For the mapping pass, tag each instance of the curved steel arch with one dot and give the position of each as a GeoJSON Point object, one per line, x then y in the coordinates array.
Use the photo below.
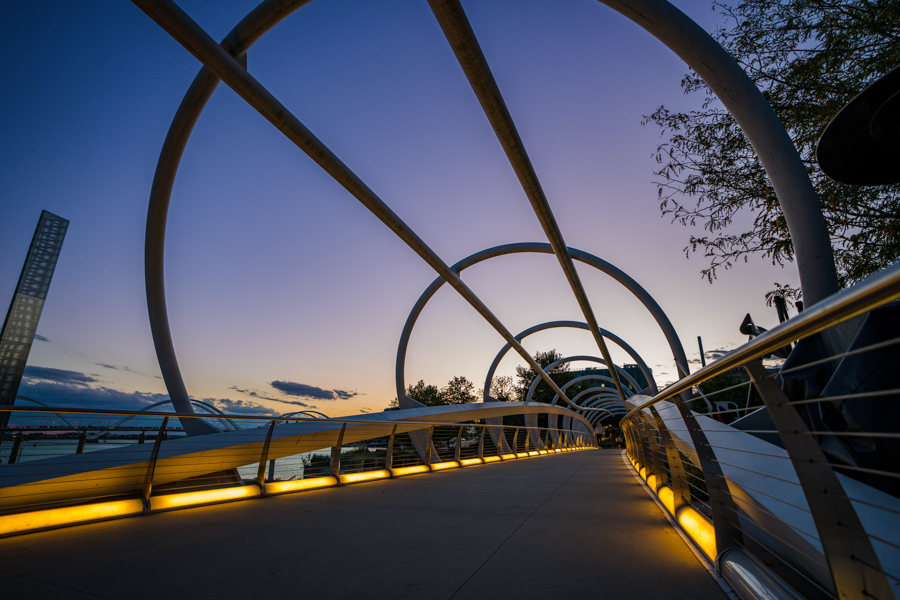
{"type": "Point", "coordinates": [737, 92]}
{"type": "Point", "coordinates": [599, 417]}
{"type": "Point", "coordinates": [536, 248]}
{"type": "Point", "coordinates": [568, 359]}
{"type": "Point", "coordinates": [574, 325]}
{"type": "Point", "coordinates": [584, 378]}
{"type": "Point", "coordinates": [314, 413]}
{"type": "Point", "coordinates": [754, 115]}
{"type": "Point", "coordinates": [39, 403]}
{"type": "Point", "coordinates": [246, 33]}
{"type": "Point", "coordinates": [209, 407]}
{"type": "Point", "coordinates": [599, 393]}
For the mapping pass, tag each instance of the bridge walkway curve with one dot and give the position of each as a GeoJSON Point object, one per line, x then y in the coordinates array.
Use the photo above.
{"type": "Point", "coordinates": [571, 525]}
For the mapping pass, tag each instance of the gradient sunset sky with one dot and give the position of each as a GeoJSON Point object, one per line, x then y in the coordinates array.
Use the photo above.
{"type": "Point", "coordinates": [283, 290]}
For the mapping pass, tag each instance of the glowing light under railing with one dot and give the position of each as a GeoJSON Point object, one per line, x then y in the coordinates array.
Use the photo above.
{"type": "Point", "coordinates": [543, 452]}
{"type": "Point", "coordinates": [521, 454]}
{"type": "Point", "coordinates": [507, 456]}
{"type": "Point", "coordinates": [557, 450]}
{"type": "Point", "coordinates": [651, 481]}
{"type": "Point", "coordinates": [452, 464]}
{"type": "Point", "coordinates": [57, 517]}
{"type": "Point", "coordinates": [365, 476]}
{"type": "Point", "coordinates": [490, 459]}
{"type": "Point", "coordinates": [643, 473]}
{"type": "Point", "coordinates": [533, 453]}
{"type": "Point", "coordinates": [667, 497]}
{"type": "Point", "coordinates": [467, 462]}
{"type": "Point", "coordinates": [205, 497]}
{"type": "Point", "coordinates": [399, 472]}
{"type": "Point", "coordinates": [282, 487]}
{"type": "Point", "coordinates": [699, 528]}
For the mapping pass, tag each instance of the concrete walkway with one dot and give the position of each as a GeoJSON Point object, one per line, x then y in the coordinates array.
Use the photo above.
{"type": "Point", "coordinates": [573, 525]}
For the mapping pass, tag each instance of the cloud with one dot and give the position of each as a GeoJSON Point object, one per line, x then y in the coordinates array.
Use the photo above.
{"type": "Point", "coordinates": [54, 393]}
{"type": "Point", "coordinates": [126, 368]}
{"type": "Point", "coordinates": [60, 376]}
{"type": "Point", "coordinates": [365, 410]}
{"type": "Point", "coordinates": [303, 390]}
{"type": "Point", "coordinates": [256, 394]}
{"type": "Point", "coordinates": [242, 407]}
{"type": "Point", "coordinates": [41, 338]}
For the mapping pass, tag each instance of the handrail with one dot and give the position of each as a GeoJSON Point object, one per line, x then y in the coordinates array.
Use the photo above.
{"type": "Point", "coordinates": [872, 292]}
{"type": "Point", "coordinates": [112, 412]}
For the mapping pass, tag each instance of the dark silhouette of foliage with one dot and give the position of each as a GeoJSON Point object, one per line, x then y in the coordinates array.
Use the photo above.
{"type": "Point", "coordinates": [809, 57]}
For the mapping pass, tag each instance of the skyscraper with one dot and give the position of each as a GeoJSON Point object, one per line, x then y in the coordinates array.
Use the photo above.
{"type": "Point", "coordinates": [21, 321]}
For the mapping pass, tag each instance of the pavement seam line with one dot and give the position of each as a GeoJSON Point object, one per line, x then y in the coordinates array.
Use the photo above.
{"type": "Point", "coordinates": [57, 585]}
{"type": "Point", "coordinates": [525, 520]}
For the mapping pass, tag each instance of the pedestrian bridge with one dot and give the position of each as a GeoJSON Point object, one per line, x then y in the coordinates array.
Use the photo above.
{"type": "Point", "coordinates": [789, 491]}
{"type": "Point", "coordinates": [572, 524]}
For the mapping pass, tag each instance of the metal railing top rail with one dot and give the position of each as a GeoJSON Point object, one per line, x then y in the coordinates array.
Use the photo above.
{"type": "Point", "coordinates": [418, 420]}
{"type": "Point", "coordinates": [872, 292]}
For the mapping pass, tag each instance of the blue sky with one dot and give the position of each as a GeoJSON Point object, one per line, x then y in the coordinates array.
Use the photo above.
{"type": "Point", "coordinates": [282, 289]}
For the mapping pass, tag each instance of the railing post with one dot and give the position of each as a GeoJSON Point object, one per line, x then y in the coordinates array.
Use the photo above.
{"type": "Point", "coordinates": [336, 455]}
{"type": "Point", "coordinates": [637, 442]}
{"type": "Point", "coordinates": [724, 511]}
{"type": "Point", "coordinates": [651, 447]}
{"type": "Point", "coordinates": [81, 440]}
{"type": "Point", "coordinates": [389, 454]}
{"type": "Point", "coordinates": [515, 444]}
{"type": "Point", "coordinates": [854, 566]}
{"type": "Point", "coordinates": [14, 453]}
{"type": "Point", "coordinates": [151, 465]}
{"type": "Point", "coordinates": [264, 455]}
{"type": "Point", "coordinates": [457, 454]}
{"type": "Point", "coordinates": [676, 478]}
{"type": "Point", "coordinates": [429, 437]}
{"type": "Point", "coordinates": [481, 442]}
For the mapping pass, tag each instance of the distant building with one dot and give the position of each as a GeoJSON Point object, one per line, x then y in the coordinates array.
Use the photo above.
{"type": "Point", "coordinates": [25, 309]}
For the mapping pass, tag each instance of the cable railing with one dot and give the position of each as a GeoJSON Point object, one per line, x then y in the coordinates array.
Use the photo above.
{"type": "Point", "coordinates": [799, 483]}
{"type": "Point", "coordinates": [55, 471]}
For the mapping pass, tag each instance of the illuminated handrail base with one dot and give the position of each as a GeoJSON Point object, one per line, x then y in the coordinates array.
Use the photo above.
{"type": "Point", "coordinates": [25, 522]}
{"type": "Point", "coordinates": [698, 528]}
{"type": "Point", "coordinates": [74, 515]}
{"type": "Point", "coordinates": [69, 515]}
{"type": "Point", "coordinates": [678, 453]}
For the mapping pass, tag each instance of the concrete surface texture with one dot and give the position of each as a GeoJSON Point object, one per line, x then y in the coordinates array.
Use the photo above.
{"type": "Point", "coordinates": [573, 525]}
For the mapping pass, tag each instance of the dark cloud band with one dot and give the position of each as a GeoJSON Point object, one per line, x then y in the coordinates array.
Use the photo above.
{"type": "Point", "coordinates": [303, 390]}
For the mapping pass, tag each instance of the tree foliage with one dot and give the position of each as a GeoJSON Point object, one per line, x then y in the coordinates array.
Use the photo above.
{"type": "Point", "coordinates": [525, 375]}
{"type": "Point", "coordinates": [809, 57]}
{"type": "Point", "coordinates": [458, 390]}
{"type": "Point", "coordinates": [503, 388]}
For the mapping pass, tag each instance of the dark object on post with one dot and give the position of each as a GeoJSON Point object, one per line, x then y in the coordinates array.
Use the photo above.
{"type": "Point", "coordinates": [861, 145]}
{"type": "Point", "coordinates": [748, 327]}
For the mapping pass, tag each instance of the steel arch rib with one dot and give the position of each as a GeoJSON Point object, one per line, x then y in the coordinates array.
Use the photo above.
{"type": "Point", "coordinates": [584, 378]}
{"type": "Point", "coordinates": [770, 141]}
{"type": "Point", "coordinates": [261, 19]}
{"type": "Point", "coordinates": [536, 248]}
{"type": "Point", "coordinates": [568, 359]}
{"type": "Point", "coordinates": [223, 64]}
{"type": "Point", "coordinates": [574, 325]}
{"type": "Point", "coordinates": [658, 17]}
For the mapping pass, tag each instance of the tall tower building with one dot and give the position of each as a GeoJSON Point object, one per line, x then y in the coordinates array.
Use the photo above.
{"type": "Point", "coordinates": [21, 321]}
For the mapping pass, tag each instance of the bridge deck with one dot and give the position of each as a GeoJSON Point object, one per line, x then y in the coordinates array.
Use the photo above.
{"type": "Point", "coordinates": [569, 525]}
